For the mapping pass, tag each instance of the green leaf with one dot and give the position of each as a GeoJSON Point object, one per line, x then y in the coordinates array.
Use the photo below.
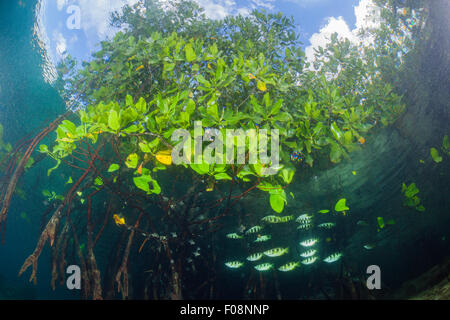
{"type": "Point", "coordinates": [446, 145]}
{"type": "Point", "coordinates": [200, 168]}
{"type": "Point", "coordinates": [113, 168]}
{"type": "Point", "coordinates": [337, 133]}
{"type": "Point", "coordinates": [190, 107]}
{"type": "Point", "coordinates": [411, 190]}
{"type": "Point", "coordinates": [336, 153]}
{"type": "Point", "coordinates": [129, 100]}
{"type": "Point", "coordinates": [380, 222]}
{"type": "Point", "coordinates": [46, 193]}
{"type": "Point", "coordinates": [43, 148]}
{"type": "Point", "coordinates": [222, 176]}
{"type": "Point", "coordinates": [144, 147]}
{"type": "Point", "coordinates": [98, 181]}
{"type": "Point", "coordinates": [435, 155]}
{"type": "Point", "coordinates": [213, 111]}
{"type": "Point", "coordinates": [287, 175]}
{"type": "Point", "coordinates": [70, 181]}
{"type": "Point", "coordinates": [69, 127]}
{"type": "Point", "coordinates": [190, 53]}
{"type": "Point", "coordinates": [391, 222]}
{"type": "Point", "coordinates": [277, 202]}
{"type": "Point", "coordinates": [142, 182]}
{"type": "Point", "coordinates": [113, 120]}
{"type": "Point", "coordinates": [203, 81]}
{"type": "Point", "coordinates": [132, 161]}
{"type": "Point", "coordinates": [341, 205]}
{"type": "Point", "coordinates": [141, 106]}
{"type": "Point", "coordinates": [324, 211]}
{"type": "Point", "coordinates": [420, 208]}
{"type": "Point", "coordinates": [131, 129]}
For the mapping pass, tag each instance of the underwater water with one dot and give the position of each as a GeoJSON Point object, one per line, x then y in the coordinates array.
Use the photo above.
{"type": "Point", "coordinates": [194, 245]}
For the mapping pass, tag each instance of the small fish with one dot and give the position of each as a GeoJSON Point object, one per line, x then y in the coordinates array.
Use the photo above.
{"type": "Point", "coordinates": [310, 260]}
{"type": "Point", "coordinates": [327, 225]}
{"type": "Point", "coordinates": [276, 252]}
{"type": "Point", "coordinates": [234, 264]}
{"type": "Point", "coordinates": [304, 218]}
{"type": "Point", "coordinates": [333, 258]}
{"type": "Point", "coordinates": [263, 238]}
{"type": "Point", "coordinates": [362, 223]}
{"type": "Point", "coordinates": [286, 219]}
{"type": "Point", "coordinates": [289, 266]}
{"type": "Point", "coordinates": [271, 219]}
{"type": "Point", "coordinates": [255, 257]}
{"type": "Point", "coordinates": [234, 236]}
{"type": "Point", "coordinates": [254, 229]}
{"type": "Point", "coordinates": [369, 246]}
{"type": "Point", "coordinates": [251, 76]}
{"type": "Point", "coordinates": [309, 242]}
{"type": "Point", "coordinates": [140, 67]}
{"type": "Point", "coordinates": [308, 253]}
{"type": "Point", "coordinates": [119, 220]}
{"type": "Point", "coordinates": [354, 173]}
{"type": "Point", "coordinates": [362, 140]}
{"type": "Point", "coordinates": [305, 226]}
{"type": "Point", "coordinates": [264, 267]}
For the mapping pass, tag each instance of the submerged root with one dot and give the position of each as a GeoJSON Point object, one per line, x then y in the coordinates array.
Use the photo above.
{"type": "Point", "coordinates": [7, 196]}
{"type": "Point", "coordinates": [47, 234]}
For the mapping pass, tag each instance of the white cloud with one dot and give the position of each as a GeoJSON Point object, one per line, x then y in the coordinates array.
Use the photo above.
{"type": "Point", "coordinates": [217, 9]}
{"type": "Point", "coordinates": [334, 25]}
{"type": "Point", "coordinates": [308, 3]}
{"type": "Point", "coordinates": [367, 16]}
{"type": "Point", "coordinates": [61, 43]}
{"type": "Point", "coordinates": [95, 16]}
{"type": "Point", "coordinates": [266, 4]}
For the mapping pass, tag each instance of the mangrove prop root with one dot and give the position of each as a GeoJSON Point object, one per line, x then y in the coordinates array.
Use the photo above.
{"type": "Point", "coordinates": [50, 229]}
{"type": "Point", "coordinates": [123, 271]}
{"type": "Point", "coordinates": [6, 199]}
{"type": "Point", "coordinates": [122, 274]}
{"type": "Point", "coordinates": [57, 255]}
{"type": "Point", "coordinates": [47, 234]}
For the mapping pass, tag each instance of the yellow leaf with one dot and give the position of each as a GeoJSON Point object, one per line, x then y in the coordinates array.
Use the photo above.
{"type": "Point", "coordinates": [165, 157]}
{"type": "Point", "coordinates": [139, 170]}
{"type": "Point", "coordinates": [140, 68]}
{"type": "Point", "coordinates": [120, 221]}
{"type": "Point", "coordinates": [262, 86]}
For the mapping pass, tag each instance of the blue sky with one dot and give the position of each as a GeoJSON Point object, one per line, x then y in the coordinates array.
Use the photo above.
{"type": "Point", "coordinates": [316, 20]}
